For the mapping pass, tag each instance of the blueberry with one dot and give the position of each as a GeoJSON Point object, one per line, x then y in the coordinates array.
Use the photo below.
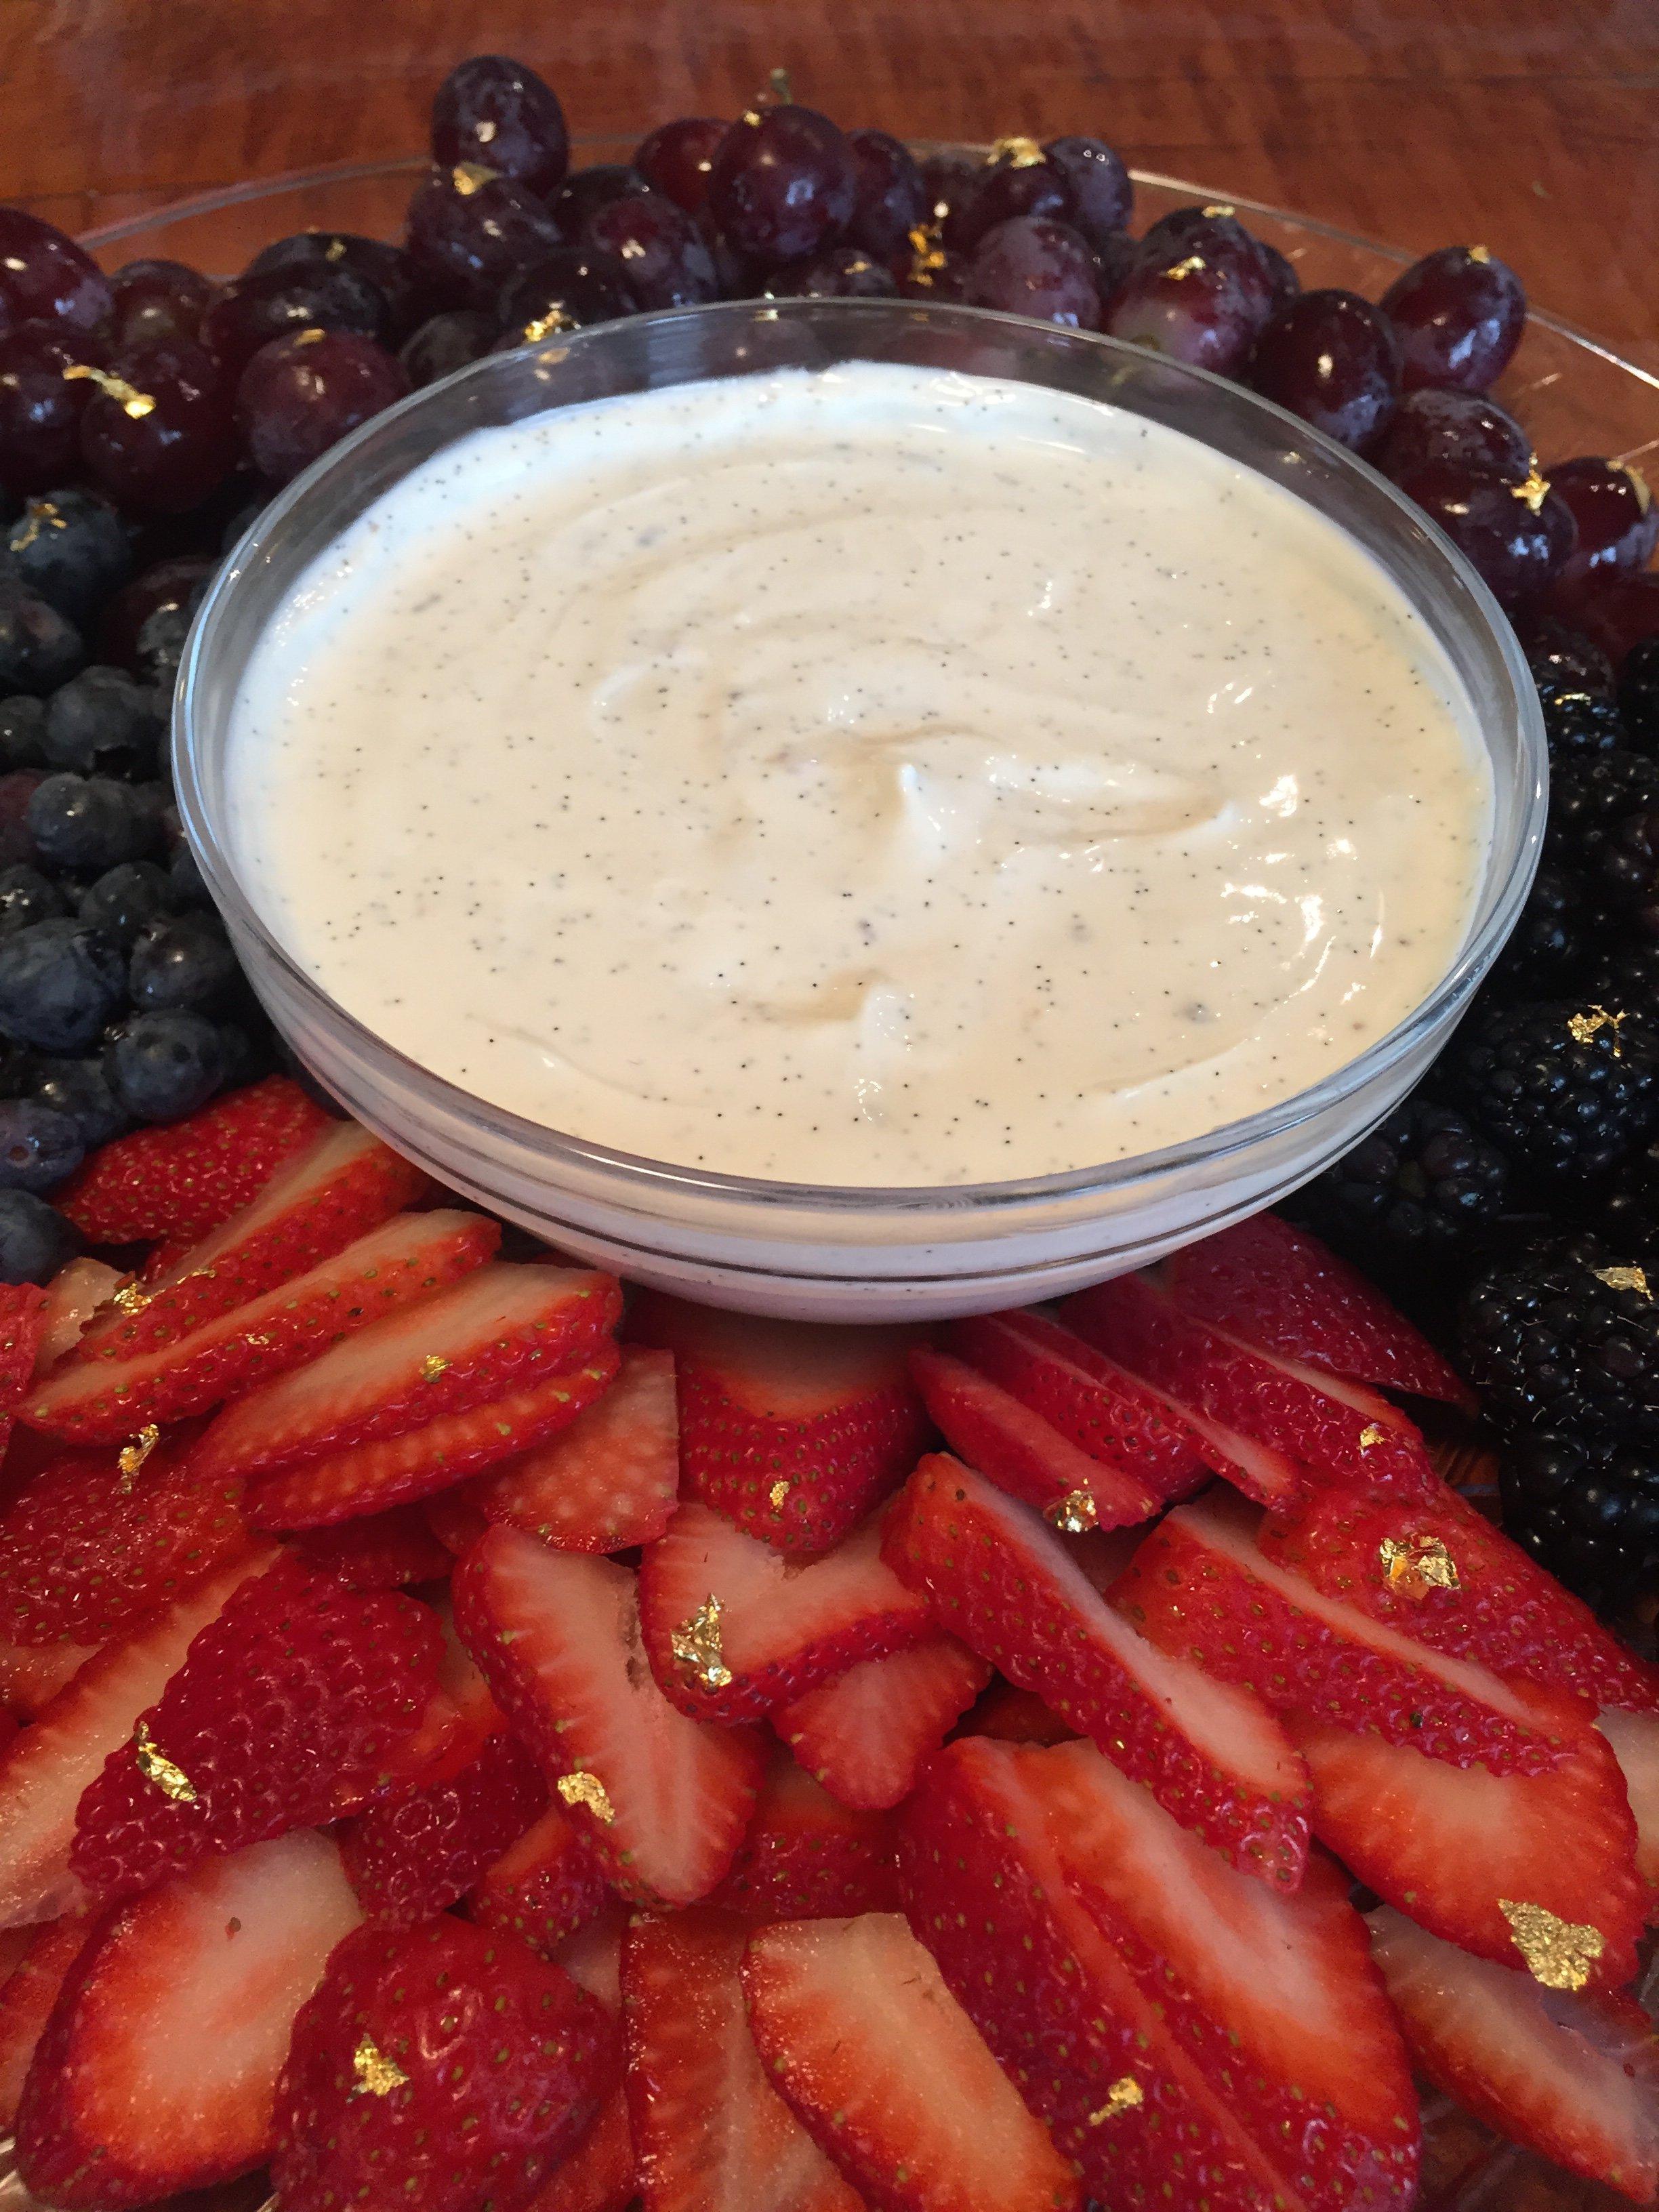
{"type": "Point", "coordinates": [35, 1240]}
{"type": "Point", "coordinates": [127, 899]}
{"type": "Point", "coordinates": [26, 897]}
{"type": "Point", "coordinates": [59, 983]}
{"type": "Point", "coordinates": [22, 732]}
{"type": "Point", "coordinates": [71, 549]}
{"type": "Point", "coordinates": [88, 822]}
{"type": "Point", "coordinates": [39, 1147]}
{"type": "Point", "coordinates": [75, 1089]}
{"type": "Point", "coordinates": [102, 719]}
{"type": "Point", "coordinates": [161, 644]}
{"type": "Point", "coordinates": [162, 1067]}
{"type": "Point", "coordinates": [187, 878]}
{"type": "Point", "coordinates": [39, 650]}
{"type": "Point", "coordinates": [185, 962]}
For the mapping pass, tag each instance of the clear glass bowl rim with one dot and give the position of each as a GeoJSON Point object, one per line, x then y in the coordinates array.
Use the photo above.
{"type": "Point", "coordinates": [1506, 881]}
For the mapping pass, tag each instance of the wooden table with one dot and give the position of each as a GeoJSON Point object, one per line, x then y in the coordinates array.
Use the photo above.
{"type": "Point", "coordinates": [1530, 125]}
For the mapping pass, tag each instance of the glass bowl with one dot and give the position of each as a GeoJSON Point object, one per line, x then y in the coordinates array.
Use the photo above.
{"type": "Point", "coordinates": [836, 1252]}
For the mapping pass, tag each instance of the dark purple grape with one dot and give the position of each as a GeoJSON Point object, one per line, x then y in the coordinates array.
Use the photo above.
{"type": "Point", "coordinates": [158, 299]}
{"type": "Point", "coordinates": [1020, 184]}
{"type": "Point", "coordinates": [1102, 196]}
{"type": "Point", "coordinates": [892, 198]}
{"type": "Point", "coordinates": [1194, 308]}
{"type": "Point", "coordinates": [470, 238]}
{"type": "Point", "coordinates": [656, 250]}
{"type": "Point", "coordinates": [445, 343]}
{"type": "Point", "coordinates": [495, 113]}
{"type": "Point", "coordinates": [1459, 429]}
{"type": "Point", "coordinates": [676, 158]}
{"type": "Point", "coordinates": [1281, 272]}
{"type": "Point", "coordinates": [175, 585]}
{"type": "Point", "coordinates": [45, 276]}
{"type": "Point", "coordinates": [1516, 536]}
{"type": "Point", "coordinates": [1618, 522]}
{"type": "Point", "coordinates": [950, 180]}
{"type": "Point", "coordinates": [566, 291]}
{"type": "Point", "coordinates": [1032, 266]}
{"type": "Point", "coordinates": [840, 273]}
{"type": "Point", "coordinates": [784, 183]}
{"type": "Point", "coordinates": [1460, 314]}
{"type": "Point", "coordinates": [1332, 358]}
{"type": "Point", "coordinates": [585, 191]}
{"type": "Point", "coordinates": [1115, 259]}
{"type": "Point", "coordinates": [276, 302]}
{"type": "Point", "coordinates": [388, 267]}
{"type": "Point", "coordinates": [157, 433]}
{"type": "Point", "coordinates": [300, 395]}
{"type": "Point", "coordinates": [44, 385]}
{"type": "Point", "coordinates": [1214, 236]}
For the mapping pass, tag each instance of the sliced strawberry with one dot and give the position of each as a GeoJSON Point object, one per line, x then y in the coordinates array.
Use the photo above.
{"type": "Point", "coordinates": [1282, 1290]}
{"type": "Point", "coordinates": [1635, 1741]}
{"type": "Point", "coordinates": [542, 1887]}
{"type": "Point", "coordinates": [1095, 1404]}
{"type": "Point", "coordinates": [447, 2056]}
{"type": "Point", "coordinates": [158, 2069]}
{"type": "Point", "coordinates": [1573, 2077]}
{"type": "Point", "coordinates": [22, 1319]}
{"type": "Point", "coordinates": [1476, 1857]}
{"type": "Point", "coordinates": [455, 1519]}
{"type": "Point", "coordinates": [45, 1772]}
{"type": "Point", "coordinates": [794, 1430]}
{"type": "Point", "coordinates": [1010, 1715]}
{"type": "Point", "coordinates": [345, 1182]}
{"type": "Point", "coordinates": [383, 1551]}
{"type": "Point", "coordinates": [100, 1398]}
{"type": "Point", "coordinates": [663, 1798]}
{"type": "Point", "coordinates": [284, 1711]}
{"type": "Point", "coordinates": [609, 1481]}
{"type": "Point", "coordinates": [1340, 1433]}
{"type": "Point", "coordinates": [806, 1856]}
{"type": "Point", "coordinates": [369, 1478]}
{"type": "Point", "coordinates": [89, 1546]}
{"type": "Point", "coordinates": [867, 1736]}
{"type": "Point", "coordinates": [710, 2134]}
{"type": "Point", "coordinates": [1144, 1996]}
{"type": "Point", "coordinates": [1440, 1572]}
{"type": "Point", "coordinates": [889, 2076]}
{"type": "Point", "coordinates": [26, 1998]}
{"type": "Point", "coordinates": [1200, 1587]}
{"type": "Point", "coordinates": [592, 1955]}
{"type": "Point", "coordinates": [734, 1629]}
{"type": "Point", "coordinates": [1021, 1452]}
{"type": "Point", "coordinates": [498, 1330]}
{"type": "Point", "coordinates": [74, 1296]}
{"type": "Point", "coordinates": [415, 1853]}
{"type": "Point", "coordinates": [31, 1675]}
{"type": "Point", "coordinates": [184, 1180]}
{"type": "Point", "coordinates": [599, 2176]}
{"type": "Point", "coordinates": [1000, 1580]}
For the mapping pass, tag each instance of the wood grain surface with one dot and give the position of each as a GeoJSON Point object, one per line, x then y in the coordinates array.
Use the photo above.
{"type": "Point", "coordinates": [1530, 125]}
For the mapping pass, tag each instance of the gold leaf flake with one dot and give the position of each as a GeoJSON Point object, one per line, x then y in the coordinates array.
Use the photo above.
{"type": "Point", "coordinates": [133, 402]}
{"type": "Point", "coordinates": [1220, 207]}
{"type": "Point", "coordinates": [1016, 153]}
{"type": "Point", "coordinates": [1533, 488]}
{"type": "Point", "coordinates": [549, 325]}
{"type": "Point", "coordinates": [583, 1789]}
{"type": "Point", "coordinates": [1370, 1436]}
{"type": "Point", "coordinates": [132, 1298]}
{"type": "Point", "coordinates": [1192, 266]}
{"type": "Point", "coordinates": [1559, 1954]}
{"type": "Point", "coordinates": [1075, 1513]}
{"type": "Point", "coordinates": [1417, 1564]}
{"type": "Point", "coordinates": [376, 2074]}
{"type": "Point", "coordinates": [155, 1766]}
{"type": "Point", "coordinates": [1480, 254]}
{"type": "Point", "coordinates": [1122, 2096]}
{"type": "Point", "coordinates": [696, 1644]}
{"type": "Point", "coordinates": [468, 176]}
{"type": "Point", "coordinates": [777, 1495]}
{"type": "Point", "coordinates": [1582, 1028]}
{"type": "Point", "coordinates": [133, 1456]}
{"type": "Point", "coordinates": [1623, 1279]}
{"type": "Point", "coordinates": [432, 1367]}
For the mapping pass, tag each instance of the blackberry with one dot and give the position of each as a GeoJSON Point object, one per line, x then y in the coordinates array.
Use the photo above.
{"type": "Point", "coordinates": [1628, 1216]}
{"type": "Point", "coordinates": [1564, 1089]}
{"type": "Point", "coordinates": [1625, 975]}
{"type": "Point", "coordinates": [1562, 658]}
{"type": "Point", "coordinates": [1590, 794]}
{"type": "Point", "coordinates": [1421, 1186]}
{"type": "Point", "coordinates": [1587, 1511]}
{"type": "Point", "coordinates": [1638, 694]}
{"type": "Point", "coordinates": [1576, 722]}
{"type": "Point", "coordinates": [1551, 943]}
{"type": "Point", "coordinates": [1627, 872]}
{"type": "Point", "coordinates": [1566, 1337]}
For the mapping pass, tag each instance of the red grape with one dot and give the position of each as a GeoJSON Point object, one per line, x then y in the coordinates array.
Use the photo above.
{"type": "Point", "coordinates": [45, 276]}
{"type": "Point", "coordinates": [45, 385]}
{"type": "Point", "coordinates": [784, 183]}
{"type": "Point", "coordinates": [169, 586]}
{"type": "Point", "coordinates": [1194, 307]}
{"type": "Point", "coordinates": [1102, 196]}
{"type": "Point", "coordinates": [1030, 265]}
{"type": "Point", "coordinates": [950, 180]}
{"type": "Point", "coordinates": [1012, 186]}
{"type": "Point", "coordinates": [1618, 609]}
{"type": "Point", "coordinates": [840, 273]}
{"type": "Point", "coordinates": [388, 267]}
{"type": "Point", "coordinates": [157, 433]}
{"type": "Point", "coordinates": [1465, 428]}
{"type": "Point", "coordinates": [892, 198]}
{"type": "Point", "coordinates": [658, 253]}
{"type": "Point", "coordinates": [471, 236]}
{"type": "Point", "coordinates": [1281, 272]}
{"type": "Point", "coordinates": [1618, 522]}
{"type": "Point", "coordinates": [493, 113]}
{"type": "Point", "coordinates": [585, 191]}
{"type": "Point", "coordinates": [677, 157]}
{"type": "Point", "coordinates": [566, 291]}
{"type": "Point", "coordinates": [1332, 358]}
{"type": "Point", "coordinates": [1460, 314]}
{"type": "Point", "coordinates": [272, 302]}
{"type": "Point", "coordinates": [445, 343]}
{"type": "Point", "coordinates": [1214, 235]}
{"type": "Point", "coordinates": [1516, 536]}
{"type": "Point", "coordinates": [299, 395]}
{"type": "Point", "coordinates": [158, 299]}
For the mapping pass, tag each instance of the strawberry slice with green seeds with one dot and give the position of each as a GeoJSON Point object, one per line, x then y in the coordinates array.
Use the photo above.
{"type": "Point", "coordinates": [542, 1887]}
{"type": "Point", "coordinates": [104, 1399]}
{"type": "Point", "coordinates": [867, 1735]}
{"type": "Point", "coordinates": [808, 1857]}
{"type": "Point", "coordinates": [1635, 1741]}
{"type": "Point", "coordinates": [1002, 1582]}
{"type": "Point", "coordinates": [609, 1481]}
{"type": "Point", "coordinates": [500, 1329]}
{"type": "Point", "coordinates": [415, 1852]}
{"type": "Point", "coordinates": [28, 1997]}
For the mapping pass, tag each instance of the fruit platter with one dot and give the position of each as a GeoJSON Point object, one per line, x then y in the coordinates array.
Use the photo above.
{"type": "Point", "coordinates": [482, 1735]}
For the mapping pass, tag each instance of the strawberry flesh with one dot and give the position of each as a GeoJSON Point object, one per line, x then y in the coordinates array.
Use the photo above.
{"type": "Point", "coordinates": [27, 1999]}
{"type": "Point", "coordinates": [663, 1799]}
{"type": "Point", "coordinates": [382, 1551]}
{"type": "Point", "coordinates": [867, 1736]}
{"type": "Point", "coordinates": [807, 1857]}
{"type": "Point", "coordinates": [1002, 1581]}
{"type": "Point", "coordinates": [285, 1710]}
{"type": "Point", "coordinates": [611, 1480]}
{"type": "Point", "coordinates": [890, 2076]}
{"type": "Point", "coordinates": [1026, 1456]}
{"type": "Point", "coordinates": [1635, 1741]}
{"type": "Point", "coordinates": [542, 1887]}
{"type": "Point", "coordinates": [417, 1853]}
{"type": "Point", "coordinates": [158, 2069]}
{"type": "Point", "coordinates": [754, 1630]}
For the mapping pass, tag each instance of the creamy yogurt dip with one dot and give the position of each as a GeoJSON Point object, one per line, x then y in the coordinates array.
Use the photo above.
{"type": "Point", "coordinates": [874, 776]}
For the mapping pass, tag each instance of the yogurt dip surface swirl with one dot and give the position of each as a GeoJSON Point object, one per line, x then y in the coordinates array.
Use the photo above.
{"type": "Point", "coordinates": [874, 776]}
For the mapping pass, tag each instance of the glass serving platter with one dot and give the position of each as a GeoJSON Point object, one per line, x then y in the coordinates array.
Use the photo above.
{"type": "Point", "coordinates": [1573, 394]}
